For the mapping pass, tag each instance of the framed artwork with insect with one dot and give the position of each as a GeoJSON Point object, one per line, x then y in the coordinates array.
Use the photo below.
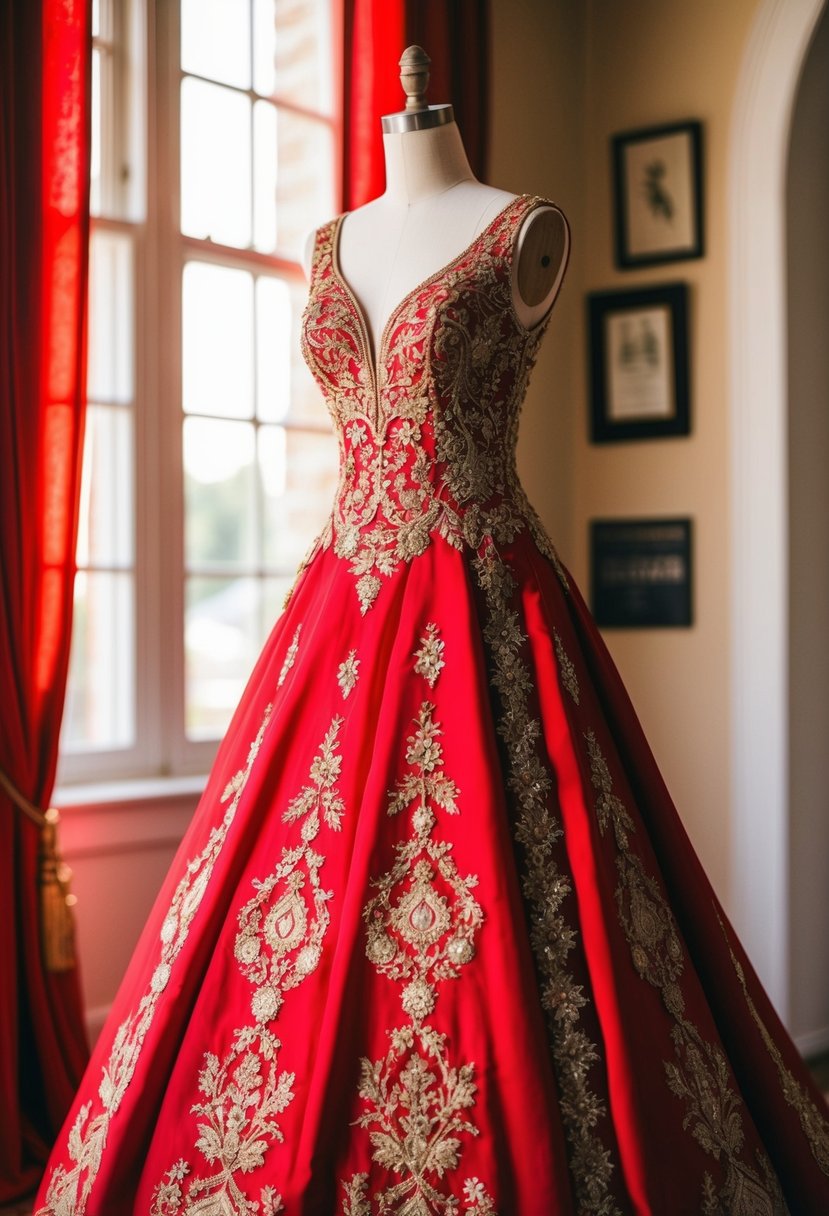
{"type": "Point", "coordinates": [658, 194]}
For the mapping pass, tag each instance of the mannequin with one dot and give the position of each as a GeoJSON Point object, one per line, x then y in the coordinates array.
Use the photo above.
{"type": "Point", "coordinates": [432, 209]}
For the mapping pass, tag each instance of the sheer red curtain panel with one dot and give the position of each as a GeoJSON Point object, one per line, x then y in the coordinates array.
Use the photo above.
{"type": "Point", "coordinates": [45, 72]}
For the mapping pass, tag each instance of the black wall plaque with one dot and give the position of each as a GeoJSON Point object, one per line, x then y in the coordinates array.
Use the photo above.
{"type": "Point", "coordinates": [640, 573]}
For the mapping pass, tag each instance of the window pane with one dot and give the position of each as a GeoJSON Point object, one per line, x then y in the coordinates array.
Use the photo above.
{"type": "Point", "coordinates": [100, 702]}
{"type": "Point", "coordinates": [275, 337]}
{"type": "Point", "coordinates": [105, 529]}
{"type": "Point", "coordinates": [220, 490]}
{"type": "Point", "coordinates": [217, 354]}
{"type": "Point", "coordinates": [110, 317]}
{"type": "Point", "coordinates": [292, 51]}
{"type": "Point", "coordinates": [264, 181]}
{"type": "Point", "coordinates": [294, 178]}
{"type": "Point", "coordinates": [298, 472]}
{"type": "Point", "coordinates": [215, 40]}
{"type": "Point", "coordinates": [215, 163]}
{"type": "Point", "coordinates": [223, 636]}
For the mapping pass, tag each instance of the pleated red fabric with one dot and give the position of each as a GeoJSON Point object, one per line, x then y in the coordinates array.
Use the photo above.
{"type": "Point", "coordinates": [436, 941]}
{"type": "Point", "coordinates": [45, 91]}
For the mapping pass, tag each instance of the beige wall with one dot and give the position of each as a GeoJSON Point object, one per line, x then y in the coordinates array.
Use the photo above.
{"type": "Point", "coordinates": [567, 76]}
{"type": "Point", "coordinates": [537, 68]}
{"type": "Point", "coordinates": [808, 304]}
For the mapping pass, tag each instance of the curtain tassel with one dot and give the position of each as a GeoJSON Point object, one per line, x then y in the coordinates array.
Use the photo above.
{"type": "Point", "coordinates": [57, 903]}
{"type": "Point", "coordinates": [57, 917]}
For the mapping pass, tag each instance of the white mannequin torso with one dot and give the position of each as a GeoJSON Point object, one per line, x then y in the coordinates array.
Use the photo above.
{"type": "Point", "coordinates": [432, 209]}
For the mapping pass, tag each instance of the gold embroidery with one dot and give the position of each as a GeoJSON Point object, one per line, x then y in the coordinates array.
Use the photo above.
{"type": "Point", "coordinates": [546, 889]}
{"type": "Point", "coordinates": [416, 1103]}
{"type": "Point", "coordinates": [278, 945]}
{"type": "Point", "coordinates": [699, 1073]}
{"type": "Point", "coordinates": [421, 924]}
{"type": "Point", "coordinates": [409, 470]}
{"type": "Point", "coordinates": [69, 1190]}
{"type": "Point", "coordinates": [813, 1122]}
{"type": "Point", "coordinates": [421, 927]}
{"type": "Point", "coordinates": [290, 655]}
{"type": "Point", "coordinates": [347, 673]}
{"type": "Point", "coordinates": [429, 656]}
{"type": "Point", "coordinates": [567, 671]}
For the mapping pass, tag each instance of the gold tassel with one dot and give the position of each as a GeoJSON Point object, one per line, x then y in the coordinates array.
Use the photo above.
{"type": "Point", "coordinates": [57, 918]}
{"type": "Point", "coordinates": [57, 923]}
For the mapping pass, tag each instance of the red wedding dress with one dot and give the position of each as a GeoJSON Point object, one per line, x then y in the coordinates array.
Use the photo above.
{"type": "Point", "coordinates": [436, 941]}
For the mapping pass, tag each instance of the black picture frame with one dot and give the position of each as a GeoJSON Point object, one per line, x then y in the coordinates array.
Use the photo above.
{"type": "Point", "coordinates": [658, 194]}
{"type": "Point", "coordinates": [639, 366]}
{"type": "Point", "coordinates": [641, 574]}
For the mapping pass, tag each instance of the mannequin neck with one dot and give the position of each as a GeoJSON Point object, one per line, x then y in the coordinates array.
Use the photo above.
{"type": "Point", "coordinates": [420, 164]}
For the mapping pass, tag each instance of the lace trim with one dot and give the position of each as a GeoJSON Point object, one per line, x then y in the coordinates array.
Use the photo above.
{"type": "Point", "coordinates": [547, 890]}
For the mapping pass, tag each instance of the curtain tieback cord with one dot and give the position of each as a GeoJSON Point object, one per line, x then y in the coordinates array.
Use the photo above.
{"type": "Point", "coordinates": [57, 920]}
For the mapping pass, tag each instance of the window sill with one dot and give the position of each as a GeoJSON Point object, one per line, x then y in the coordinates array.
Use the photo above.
{"type": "Point", "coordinates": [133, 792]}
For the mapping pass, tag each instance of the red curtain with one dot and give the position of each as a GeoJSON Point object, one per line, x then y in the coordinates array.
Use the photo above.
{"type": "Point", "coordinates": [45, 54]}
{"type": "Point", "coordinates": [455, 35]}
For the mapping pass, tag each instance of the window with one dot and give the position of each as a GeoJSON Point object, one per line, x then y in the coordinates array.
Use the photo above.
{"type": "Point", "coordinates": [209, 463]}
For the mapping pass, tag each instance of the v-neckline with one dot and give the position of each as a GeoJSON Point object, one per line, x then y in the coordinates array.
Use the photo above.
{"type": "Point", "coordinates": [374, 359]}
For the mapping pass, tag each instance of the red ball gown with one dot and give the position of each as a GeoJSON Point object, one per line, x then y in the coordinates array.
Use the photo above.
{"type": "Point", "coordinates": [436, 943]}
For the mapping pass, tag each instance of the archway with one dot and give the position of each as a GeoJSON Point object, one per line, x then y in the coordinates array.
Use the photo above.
{"type": "Point", "coordinates": [760, 131]}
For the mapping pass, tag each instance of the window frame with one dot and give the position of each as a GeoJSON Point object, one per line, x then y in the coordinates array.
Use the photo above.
{"type": "Point", "coordinates": [149, 211]}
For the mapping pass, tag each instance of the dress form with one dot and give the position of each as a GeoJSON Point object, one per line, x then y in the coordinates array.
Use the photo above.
{"type": "Point", "coordinates": [433, 207]}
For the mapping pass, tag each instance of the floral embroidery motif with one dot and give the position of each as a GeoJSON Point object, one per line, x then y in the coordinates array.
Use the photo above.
{"type": "Point", "coordinates": [567, 671]}
{"type": "Point", "coordinates": [347, 673]}
{"type": "Point", "coordinates": [423, 449]}
{"type": "Point", "coordinates": [813, 1122]}
{"type": "Point", "coordinates": [69, 1190]}
{"type": "Point", "coordinates": [416, 1109]}
{"type": "Point", "coordinates": [547, 890]}
{"type": "Point", "coordinates": [421, 927]}
{"type": "Point", "coordinates": [699, 1073]}
{"type": "Point", "coordinates": [421, 924]}
{"type": "Point", "coordinates": [278, 945]}
{"type": "Point", "coordinates": [290, 655]}
{"type": "Point", "coordinates": [429, 656]}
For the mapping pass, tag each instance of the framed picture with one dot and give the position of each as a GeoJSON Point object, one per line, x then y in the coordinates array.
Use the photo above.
{"type": "Point", "coordinates": [657, 183]}
{"type": "Point", "coordinates": [640, 573]}
{"type": "Point", "coordinates": [638, 363]}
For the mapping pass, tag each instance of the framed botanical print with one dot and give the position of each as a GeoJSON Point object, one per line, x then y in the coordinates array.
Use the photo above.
{"type": "Point", "coordinates": [658, 196]}
{"type": "Point", "coordinates": [638, 363]}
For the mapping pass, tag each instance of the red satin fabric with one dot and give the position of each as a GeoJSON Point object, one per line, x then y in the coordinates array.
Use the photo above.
{"type": "Point", "coordinates": [44, 177]}
{"type": "Point", "coordinates": [436, 941]}
{"type": "Point", "coordinates": [455, 34]}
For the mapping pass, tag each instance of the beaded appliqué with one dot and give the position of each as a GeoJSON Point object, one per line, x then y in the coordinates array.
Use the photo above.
{"type": "Point", "coordinates": [421, 928]}
{"type": "Point", "coordinates": [278, 945]}
{"type": "Point", "coordinates": [427, 433]}
{"type": "Point", "coordinates": [347, 673]}
{"type": "Point", "coordinates": [547, 890]}
{"type": "Point", "coordinates": [699, 1073]}
{"type": "Point", "coordinates": [429, 655]}
{"type": "Point", "coordinates": [69, 1190]}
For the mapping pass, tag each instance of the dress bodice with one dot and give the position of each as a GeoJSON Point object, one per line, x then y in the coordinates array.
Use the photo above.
{"type": "Point", "coordinates": [427, 425]}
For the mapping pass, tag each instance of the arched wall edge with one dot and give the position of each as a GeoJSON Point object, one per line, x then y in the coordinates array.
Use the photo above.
{"type": "Point", "coordinates": [761, 120]}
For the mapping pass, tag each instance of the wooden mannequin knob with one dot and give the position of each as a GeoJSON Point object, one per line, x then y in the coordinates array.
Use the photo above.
{"type": "Point", "coordinates": [414, 76]}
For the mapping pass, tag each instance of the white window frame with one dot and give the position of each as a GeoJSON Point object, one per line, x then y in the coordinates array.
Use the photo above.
{"type": "Point", "coordinates": [150, 39]}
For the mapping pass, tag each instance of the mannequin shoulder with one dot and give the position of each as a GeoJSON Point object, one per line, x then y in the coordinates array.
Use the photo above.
{"type": "Point", "coordinates": [542, 250]}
